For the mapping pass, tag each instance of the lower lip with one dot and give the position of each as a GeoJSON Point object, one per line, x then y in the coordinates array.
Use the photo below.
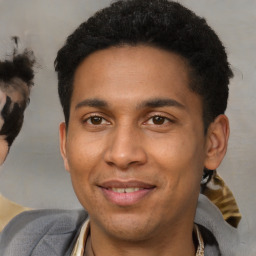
{"type": "Point", "coordinates": [125, 199]}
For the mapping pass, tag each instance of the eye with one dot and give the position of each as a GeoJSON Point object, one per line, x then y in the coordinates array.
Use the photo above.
{"type": "Point", "coordinates": [158, 120]}
{"type": "Point", "coordinates": [96, 120]}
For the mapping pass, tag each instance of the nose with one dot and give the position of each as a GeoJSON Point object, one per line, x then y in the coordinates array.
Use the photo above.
{"type": "Point", "coordinates": [125, 148]}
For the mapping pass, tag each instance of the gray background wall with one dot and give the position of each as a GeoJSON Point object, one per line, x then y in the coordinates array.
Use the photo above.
{"type": "Point", "coordinates": [33, 174]}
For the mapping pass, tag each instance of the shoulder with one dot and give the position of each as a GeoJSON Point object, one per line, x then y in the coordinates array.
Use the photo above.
{"type": "Point", "coordinates": [9, 210]}
{"type": "Point", "coordinates": [41, 232]}
{"type": "Point", "coordinates": [216, 232]}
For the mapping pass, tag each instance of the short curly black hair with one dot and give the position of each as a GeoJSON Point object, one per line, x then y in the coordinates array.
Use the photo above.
{"type": "Point", "coordinates": [158, 23]}
{"type": "Point", "coordinates": [17, 75]}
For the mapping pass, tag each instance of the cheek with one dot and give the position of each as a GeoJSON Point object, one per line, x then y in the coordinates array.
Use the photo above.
{"type": "Point", "coordinates": [180, 167]}
{"type": "Point", "coordinates": [82, 160]}
{"type": "Point", "coordinates": [83, 151]}
{"type": "Point", "coordinates": [84, 157]}
{"type": "Point", "coordinates": [180, 158]}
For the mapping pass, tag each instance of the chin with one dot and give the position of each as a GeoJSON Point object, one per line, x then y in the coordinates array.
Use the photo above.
{"type": "Point", "coordinates": [129, 228]}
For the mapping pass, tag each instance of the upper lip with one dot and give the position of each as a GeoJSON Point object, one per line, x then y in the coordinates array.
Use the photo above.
{"type": "Point", "coordinates": [126, 184]}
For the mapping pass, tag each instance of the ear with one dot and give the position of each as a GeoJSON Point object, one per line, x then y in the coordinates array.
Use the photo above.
{"type": "Point", "coordinates": [63, 139]}
{"type": "Point", "coordinates": [217, 142]}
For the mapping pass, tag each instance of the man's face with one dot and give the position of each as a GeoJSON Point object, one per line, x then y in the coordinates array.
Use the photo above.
{"type": "Point", "coordinates": [135, 144]}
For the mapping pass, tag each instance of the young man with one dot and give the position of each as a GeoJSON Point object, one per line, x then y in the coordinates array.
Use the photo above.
{"type": "Point", "coordinates": [16, 79]}
{"type": "Point", "coordinates": [144, 87]}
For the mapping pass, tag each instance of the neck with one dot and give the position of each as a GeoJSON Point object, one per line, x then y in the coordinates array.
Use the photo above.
{"type": "Point", "coordinates": [178, 242]}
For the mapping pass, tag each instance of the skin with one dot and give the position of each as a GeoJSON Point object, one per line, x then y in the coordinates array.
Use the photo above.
{"type": "Point", "coordinates": [3, 143]}
{"type": "Point", "coordinates": [149, 129]}
{"type": "Point", "coordinates": [4, 148]}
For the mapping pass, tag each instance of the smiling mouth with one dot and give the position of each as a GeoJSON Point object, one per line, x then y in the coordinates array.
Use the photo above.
{"type": "Point", "coordinates": [125, 190]}
{"type": "Point", "coordinates": [126, 193]}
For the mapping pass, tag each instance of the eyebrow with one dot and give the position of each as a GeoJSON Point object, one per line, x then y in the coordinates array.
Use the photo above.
{"type": "Point", "coordinates": [151, 103]}
{"type": "Point", "coordinates": [97, 103]}
{"type": "Point", "coordinates": [160, 102]}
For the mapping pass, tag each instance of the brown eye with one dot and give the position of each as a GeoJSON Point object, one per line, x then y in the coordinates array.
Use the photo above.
{"type": "Point", "coordinates": [96, 120]}
{"type": "Point", "coordinates": [158, 120]}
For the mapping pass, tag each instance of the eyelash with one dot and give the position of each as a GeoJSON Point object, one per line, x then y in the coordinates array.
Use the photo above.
{"type": "Point", "coordinates": [165, 119]}
{"type": "Point", "coordinates": [96, 116]}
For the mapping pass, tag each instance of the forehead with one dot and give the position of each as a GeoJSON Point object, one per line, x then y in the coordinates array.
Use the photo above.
{"type": "Point", "coordinates": [132, 59]}
{"type": "Point", "coordinates": [132, 74]}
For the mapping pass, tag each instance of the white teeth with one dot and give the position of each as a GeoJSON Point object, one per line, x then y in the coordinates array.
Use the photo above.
{"type": "Point", "coordinates": [119, 190]}
{"type": "Point", "coordinates": [125, 190]}
{"type": "Point", "coordinates": [129, 190]}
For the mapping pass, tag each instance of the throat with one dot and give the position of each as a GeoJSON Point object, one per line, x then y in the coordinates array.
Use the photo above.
{"type": "Point", "coordinates": [140, 250]}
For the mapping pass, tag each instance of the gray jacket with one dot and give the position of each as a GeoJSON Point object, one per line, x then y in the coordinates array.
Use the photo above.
{"type": "Point", "coordinates": [54, 232]}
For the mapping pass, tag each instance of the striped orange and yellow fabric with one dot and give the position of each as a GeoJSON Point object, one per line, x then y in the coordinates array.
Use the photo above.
{"type": "Point", "coordinates": [220, 194]}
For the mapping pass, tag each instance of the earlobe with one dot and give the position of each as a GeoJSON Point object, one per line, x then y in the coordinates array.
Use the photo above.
{"type": "Point", "coordinates": [217, 141]}
{"type": "Point", "coordinates": [62, 135]}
